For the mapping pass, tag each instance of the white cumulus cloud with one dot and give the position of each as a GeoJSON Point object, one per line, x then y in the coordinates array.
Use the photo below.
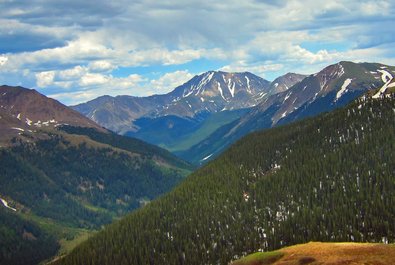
{"type": "Point", "coordinates": [67, 47]}
{"type": "Point", "coordinates": [45, 79]}
{"type": "Point", "coordinates": [3, 60]}
{"type": "Point", "coordinates": [169, 81]}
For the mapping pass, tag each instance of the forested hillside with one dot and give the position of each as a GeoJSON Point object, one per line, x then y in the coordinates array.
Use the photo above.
{"type": "Point", "coordinates": [329, 178]}
{"type": "Point", "coordinates": [59, 183]}
{"type": "Point", "coordinates": [23, 242]}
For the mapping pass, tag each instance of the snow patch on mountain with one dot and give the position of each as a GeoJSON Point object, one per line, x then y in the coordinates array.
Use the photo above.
{"type": "Point", "coordinates": [188, 94]}
{"type": "Point", "coordinates": [231, 87]}
{"type": "Point", "coordinates": [287, 96]}
{"type": "Point", "coordinates": [383, 89]}
{"type": "Point", "coordinates": [207, 157]}
{"type": "Point", "coordinates": [28, 122]}
{"type": "Point", "coordinates": [248, 84]}
{"type": "Point", "coordinates": [391, 85]}
{"type": "Point", "coordinates": [261, 95]}
{"type": "Point", "coordinates": [343, 89]}
{"type": "Point", "coordinates": [206, 79]}
{"type": "Point", "coordinates": [341, 70]}
{"type": "Point", "coordinates": [220, 90]}
{"type": "Point", "coordinates": [5, 203]}
{"type": "Point", "coordinates": [18, 129]}
{"type": "Point", "coordinates": [385, 76]}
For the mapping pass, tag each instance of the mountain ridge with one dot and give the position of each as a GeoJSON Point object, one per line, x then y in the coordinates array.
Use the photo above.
{"type": "Point", "coordinates": [332, 87]}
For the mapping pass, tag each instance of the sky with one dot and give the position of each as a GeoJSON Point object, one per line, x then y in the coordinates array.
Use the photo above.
{"type": "Point", "coordinates": [75, 51]}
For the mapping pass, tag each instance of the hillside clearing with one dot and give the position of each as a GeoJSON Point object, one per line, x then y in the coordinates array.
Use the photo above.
{"type": "Point", "coordinates": [325, 253]}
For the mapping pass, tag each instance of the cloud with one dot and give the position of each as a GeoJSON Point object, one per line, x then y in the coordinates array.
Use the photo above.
{"type": "Point", "coordinates": [74, 46]}
{"type": "Point", "coordinates": [73, 73]}
{"type": "Point", "coordinates": [375, 8]}
{"type": "Point", "coordinates": [45, 79]}
{"type": "Point", "coordinates": [3, 60]}
{"type": "Point", "coordinates": [91, 79]}
{"type": "Point", "coordinates": [100, 66]}
{"type": "Point", "coordinates": [76, 84]}
{"type": "Point", "coordinates": [169, 81]}
{"type": "Point", "coordinates": [91, 85]}
{"type": "Point", "coordinates": [16, 36]}
{"type": "Point", "coordinates": [258, 69]}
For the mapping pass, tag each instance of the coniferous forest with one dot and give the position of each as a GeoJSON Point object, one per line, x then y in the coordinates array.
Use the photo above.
{"type": "Point", "coordinates": [328, 178]}
{"type": "Point", "coordinates": [75, 178]}
{"type": "Point", "coordinates": [23, 242]}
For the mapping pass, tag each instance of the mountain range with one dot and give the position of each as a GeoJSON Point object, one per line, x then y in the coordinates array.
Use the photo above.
{"type": "Point", "coordinates": [204, 116]}
{"type": "Point", "coordinates": [332, 87]}
{"type": "Point", "coordinates": [189, 113]}
{"type": "Point", "coordinates": [327, 178]}
{"type": "Point", "coordinates": [61, 175]}
{"type": "Point", "coordinates": [209, 92]}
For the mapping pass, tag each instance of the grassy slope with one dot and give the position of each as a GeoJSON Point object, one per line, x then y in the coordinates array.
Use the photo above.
{"type": "Point", "coordinates": [67, 236]}
{"type": "Point", "coordinates": [23, 242]}
{"type": "Point", "coordinates": [324, 253]}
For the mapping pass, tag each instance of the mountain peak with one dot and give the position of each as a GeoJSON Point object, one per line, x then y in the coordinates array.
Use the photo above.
{"type": "Point", "coordinates": [284, 82]}
{"type": "Point", "coordinates": [223, 84]}
{"type": "Point", "coordinates": [208, 92]}
{"type": "Point", "coordinates": [214, 91]}
{"type": "Point", "coordinates": [26, 110]}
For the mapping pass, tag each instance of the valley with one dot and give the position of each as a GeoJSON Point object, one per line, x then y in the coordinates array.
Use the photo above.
{"type": "Point", "coordinates": [197, 132]}
{"type": "Point", "coordinates": [63, 176]}
{"type": "Point", "coordinates": [327, 178]}
{"type": "Point", "coordinates": [202, 118]}
{"type": "Point", "coordinates": [64, 179]}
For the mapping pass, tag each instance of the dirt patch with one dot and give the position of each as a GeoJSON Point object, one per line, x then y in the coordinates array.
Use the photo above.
{"type": "Point", "coordinates": [306, 260]}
